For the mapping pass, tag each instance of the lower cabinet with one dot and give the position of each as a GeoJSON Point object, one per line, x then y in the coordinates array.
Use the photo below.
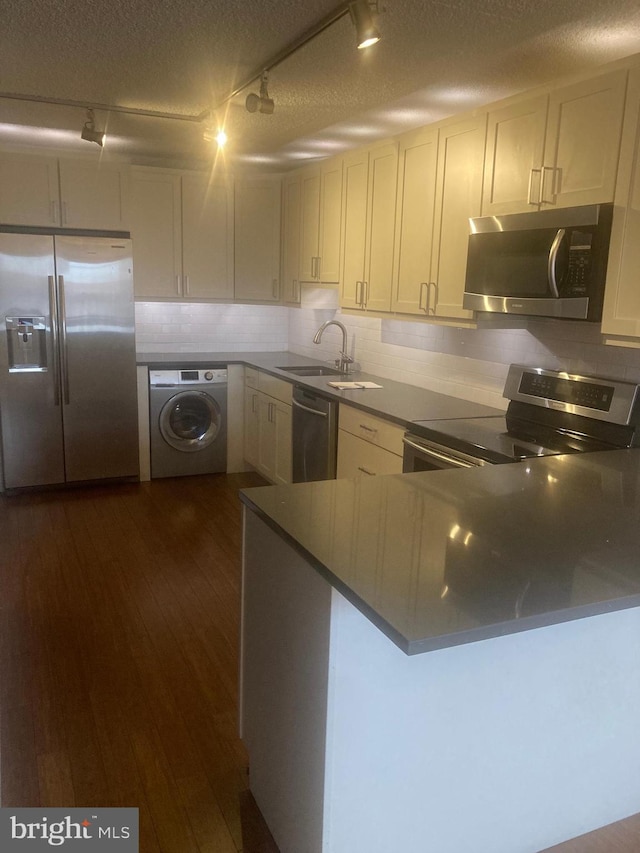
{"type": "Point", "coordinates": [267, 425]}
{"type": "Point", "coordinates": [367, 445]}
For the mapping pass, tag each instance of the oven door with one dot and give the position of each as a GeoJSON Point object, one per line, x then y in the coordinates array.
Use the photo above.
{"type": "Point", "coordinates": [421, 454]}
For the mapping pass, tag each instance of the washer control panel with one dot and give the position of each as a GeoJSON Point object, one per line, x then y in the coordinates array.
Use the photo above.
{"type": "Point", "coordinates": [200, 376]}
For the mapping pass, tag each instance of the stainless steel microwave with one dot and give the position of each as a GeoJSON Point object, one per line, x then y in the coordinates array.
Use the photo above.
{"type": "Point", "coordinates": [551, 263]}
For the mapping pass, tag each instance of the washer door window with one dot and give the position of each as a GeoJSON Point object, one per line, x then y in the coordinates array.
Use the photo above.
{"type": "Point", "coordinates": [190, 421]}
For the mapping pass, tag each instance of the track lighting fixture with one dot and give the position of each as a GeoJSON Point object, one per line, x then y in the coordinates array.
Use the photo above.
{"type": "Point", "coordinates": [363, 14]}
{"type": "Point", "coordinates": [89, 131]}
{"type": "Point", "coordinates": [262, 102]}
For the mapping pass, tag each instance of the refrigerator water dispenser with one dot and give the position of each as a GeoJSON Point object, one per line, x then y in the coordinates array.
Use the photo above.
{"type": "Point", "coordinates": [27, 344]}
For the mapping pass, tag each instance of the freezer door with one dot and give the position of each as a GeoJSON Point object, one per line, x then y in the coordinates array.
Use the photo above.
{"type": "Point", "coordinates": [30, 406]}
{"type": "Point", "coordinates": [97, 356]}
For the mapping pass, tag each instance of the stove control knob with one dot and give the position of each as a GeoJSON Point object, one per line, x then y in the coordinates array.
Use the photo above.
{"type": "Point", "coordinates": [208, 376]}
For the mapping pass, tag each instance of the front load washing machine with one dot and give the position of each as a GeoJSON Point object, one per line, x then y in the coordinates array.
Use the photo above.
{"type": "Point", "coordinates": [188, 421]}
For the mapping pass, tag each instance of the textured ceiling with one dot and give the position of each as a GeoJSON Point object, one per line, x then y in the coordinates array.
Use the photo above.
{"type": "Point", "coordinates": [436, 58]}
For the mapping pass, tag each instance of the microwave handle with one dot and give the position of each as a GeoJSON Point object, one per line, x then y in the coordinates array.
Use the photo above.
{"type": "Point", "coordinates": [553, 256]}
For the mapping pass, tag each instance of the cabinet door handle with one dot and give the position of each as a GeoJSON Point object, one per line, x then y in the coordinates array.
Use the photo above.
{"type": "Point", "coordinates": [318, 267]}
{"type": "Point", "coordinates": [358, 286]}
{"type": "Point", "coordinates": [365, 289]}
{"type": "Point", "coordinates": [530, 199]}
{"type": "Point", "coordinates": [433, 284]}
{"type": "Point", "coordinates": [366, 471]}
{"type": "Point", "coordinates": [254, 398]}
{"type": "Point", "coordinates": [553, 171]}
{"type": "Point", "coordinates": [366, 428]}
{"type": "Point", "coordinates": [63, 213]}
{"type": "Point", "coordinates": [274, 284]}
{"type": "Point", "coordinates": [423, 284]}
{"type": "Point", "coordinates": [186, 285]}
{"type": "Point", "coordinates": [313, 267]}
{"type": "Point", "coordinates": [179, 285]}
{"type": "Point", "coordinates": [54, 212]}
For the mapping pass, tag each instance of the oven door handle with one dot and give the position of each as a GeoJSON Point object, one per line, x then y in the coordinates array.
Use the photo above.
{"type": "Point", "coordinates": [453, 461]}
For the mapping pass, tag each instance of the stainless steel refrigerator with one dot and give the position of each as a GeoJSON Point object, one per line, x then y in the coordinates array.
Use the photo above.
{"type": "Point", "coordinates": [68, 398]}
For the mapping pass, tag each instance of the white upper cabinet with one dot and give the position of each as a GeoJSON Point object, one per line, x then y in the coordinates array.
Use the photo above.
{"type": "Point", "coordinates": [555, 150]}
{"type": "Point", "coordinates": [207, 237]}
{"type": "Point", "coordinates": [182, 230]}
{"type": "Point", "coordinates": [309, 224]}
{"type": "Point", "coordinates": [320, 211]}
{"type": "Point", "coordinates": [458, 197]}
{"type": "Point", "coordinates": [29, 192]}
{"type": "Point", "coordinates": [515, 147]}
{"type": "Point", "coordinates": [621, 312]}
{"type": "Point", "coordinates": [257, 239]}
{"type": "Point", "coordinates": [417, 161]}
{"type": "Point", "coordinates": [156, 231]}
{"type": "Point", "coordinates": [291, 239]}
{"type": "Point", "coordinates": [94, 195]}
{"type": "Point", "coordinates": [328, 267]}
{"type": "Point", "coordinates": [369, 193]}
{"type": "Point", "coordinates": [47, 192]}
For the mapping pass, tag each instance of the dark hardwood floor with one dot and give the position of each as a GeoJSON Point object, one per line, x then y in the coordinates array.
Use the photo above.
{"type": "Point", "coordinates": [119, 625]}
{"type": "Point", "coordinates": [119, 620]}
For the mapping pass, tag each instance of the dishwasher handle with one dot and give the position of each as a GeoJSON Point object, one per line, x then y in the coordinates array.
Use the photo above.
{"type": "Point", "coordinates": [298, 405]}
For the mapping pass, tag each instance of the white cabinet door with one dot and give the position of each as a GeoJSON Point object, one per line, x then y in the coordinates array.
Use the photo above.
{"type": "Point", "coordinates": [94, 195]}
{"type": "Point", "coordinates": [309, 225]}
{"type": "Point", "coordinates": [291, 240]}
{"type": "Point", "coordinates": [207, 237]}
{"type": "Point", "coordinates": [257, 240]}
{"type": "Point", "coordinates": [354, 228]}
{"type": "Point", "coordinates": [156, 234]}
{"type": "Point", "coordinates": [251, 421]}
{"type": "Point", "coordinates": [583, 142]}
{"type": "Point", "coordinates": [415, 206]}
{"type": "Point", "coordinates": [513, 161]}
{"type": "Point", "coordinates": [383, 176]}
{"type": "Point", "coordinates": [29, 190]}
{"type": "Point", "coordinates": [283, 438]}
{"type": "Point", "coordinates": [555, 150]}
{"type": "Point", "coordinates": [621, 312]}
{"type": "Point", "coordinates": [369, 191]}
{"type": "Point", "coordinates": [458, 197]}
{"type": "Point", "coordinates": [330, 221]}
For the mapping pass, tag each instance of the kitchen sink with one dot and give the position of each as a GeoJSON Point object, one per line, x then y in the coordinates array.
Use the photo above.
{"type": "Point", "coordinates": [312, 370]}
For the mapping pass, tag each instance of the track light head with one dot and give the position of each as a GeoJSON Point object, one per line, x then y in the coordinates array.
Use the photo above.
{"type": "Point", "coordinates": [89, 132]}
{"type": "Point", "coordinates": [363, 14]}
{"type": "Point", "coordinates": [260, 103]}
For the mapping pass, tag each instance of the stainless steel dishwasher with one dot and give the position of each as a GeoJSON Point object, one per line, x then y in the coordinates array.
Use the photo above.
{"type": "Point", "coordinates": [315, 435]}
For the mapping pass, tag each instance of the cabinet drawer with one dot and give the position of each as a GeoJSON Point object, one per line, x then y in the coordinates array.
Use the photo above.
{"type": "Point", "coordinates": [274, 387]}
{"type": "Point", "coordinates": [372, 429]}
{"type": "Point", "coordinates": [251, 377]}
{"type": "Point", "coordinates": [358, 458]}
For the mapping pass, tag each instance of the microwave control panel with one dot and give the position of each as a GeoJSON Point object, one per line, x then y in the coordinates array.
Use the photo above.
{"type": "Point", "coordinates": [579, 267]}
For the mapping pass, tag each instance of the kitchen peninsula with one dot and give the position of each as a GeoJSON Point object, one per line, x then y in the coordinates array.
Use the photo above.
{"type": "Point", "coordinates": [444, 661]}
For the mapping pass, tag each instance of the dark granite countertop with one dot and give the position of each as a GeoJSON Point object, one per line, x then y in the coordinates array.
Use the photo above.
{"type": "Point", "coordinates": [395, 401]}
{"type": "Point", "coordinates": [442, 558]}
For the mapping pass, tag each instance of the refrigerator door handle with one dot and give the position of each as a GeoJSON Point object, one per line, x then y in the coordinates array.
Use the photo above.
{"type": "Point", "coordinates": [63, 350]}
{"type": "Point", "coordinates": [53, 313]}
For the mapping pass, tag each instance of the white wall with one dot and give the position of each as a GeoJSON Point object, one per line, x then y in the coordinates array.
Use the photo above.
{"type": "Point", "coordinates": [468, 363]}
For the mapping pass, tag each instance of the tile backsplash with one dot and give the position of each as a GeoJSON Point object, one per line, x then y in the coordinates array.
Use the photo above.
{"type": "Point", "coordinates": [468, 363]}
{"type": "Point", "coordinates": [207, 327]}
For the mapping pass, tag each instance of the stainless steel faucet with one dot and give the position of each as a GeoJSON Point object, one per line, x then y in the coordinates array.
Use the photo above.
{"type": "Point", "coordinates": [345, 359]}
